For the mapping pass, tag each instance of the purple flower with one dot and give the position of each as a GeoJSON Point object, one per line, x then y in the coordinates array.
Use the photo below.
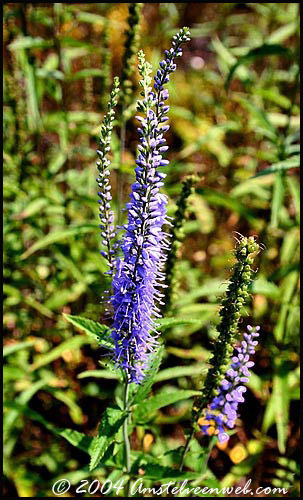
{"type": "Point", "coordinates": [139, 275]}
{"type": "Point", "coordinates": [222, 411]}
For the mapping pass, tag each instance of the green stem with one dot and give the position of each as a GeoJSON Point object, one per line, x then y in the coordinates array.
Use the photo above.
{"type": "Point", "coordinates": [186, 448]}
{"type": "Point", "coordinates": [125, 428]}
{"type": "Point", "coordinates": [125, 436]}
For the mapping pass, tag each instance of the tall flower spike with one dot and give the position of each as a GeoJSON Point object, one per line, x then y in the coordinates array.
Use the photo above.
{"type": "Point", "coordinates": [139, 274]}
{"type": "Point", "coordinates": [222, 411]}
{"type": "Point", "coordinates": [131, 47]}
{"type": "Point", "coordinates": [105, 213]}
{"type": "Point", "coordinates": [235, 297]}
{"type": "Point", "coordinates": [177, 235]}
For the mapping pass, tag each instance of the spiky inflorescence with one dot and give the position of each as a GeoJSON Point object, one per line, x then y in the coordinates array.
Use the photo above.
{"type": "Point", "coordinates": [131, 47]}
{"type": "Point", "coordinates": [221, 413]}
{"type": "Point", "coordinates": [105, 213]}
{"type": "Point", "coordinates": [139, 274]}
{"type": "Point", "coordinates": [235, 297]}
{"type": "Point", "coordinates": [177, 236]}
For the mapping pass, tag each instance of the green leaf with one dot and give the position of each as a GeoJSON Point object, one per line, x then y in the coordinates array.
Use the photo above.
{"type": "Point", "coordinates": [12, 348]}
{"type": "Point", "coordinates": [49, 74]}
{"type": "Point", "coordinates": [22, 399]}
{"type": "Point", "coordinates": [274, 96]}
{"type": "Point", "coordinates": [89, 17]}
{"type": "Point", "coordinates": [261, 118]}
{"type": "Point", "coordinates": [154, 365]}
{"type": "Point", "coordinates": [281, 166]}
{"type": "Point", "coordinates": [281, 406]}
{"type": "Point", "coordinates": [179, 371]}
{"type": "Point", "coordinates": [55, 236]}
{"type": "Point", "coordinates": [277, 200]}
{"type": "Point", "coordinates": [252, 186]}
{"type": "Point", "coordinates": [106, 374]}
{"type": "Point", "coordinates": [287, 290]}
{"type": "Point", "coordinates": [263, 287]}
{"type": "Point", "coordinates": [68, 398]}
{"type": "Point", "coordinates": [290, 246]}
{"type": "Point", "coordinates": [87, 72]}
{"type": "Point", "coordinates": [224, 200]}
{"type": "Point", "coordinates": [283, 32]}
{"type": "Point", "coordinates": [30, 301]}
{"type": "Point", "coordinates": [29, 42]}
{"type": "Point", "coordinates": [58, 158]}
{"type": "Point", "coordinates": [257, 53]}
{"type": "Point", "coordinates": [33, 112]}
{"type": "Point", "coordinates": [210, 287]}
{"type": "Point", "coordinates": [229, 59]}
{"type": "Point", "coordinates": [147, 408]}
{"type": "Point", "coordinates": [110, 424]}
{"type": "Point", "coordinates": [294, 188]}
{"type": "Point", "coordinates": [98, 332]}
{"type": "Point", "coordinates": [165, 323]}
{"type": "Point", "coordinates": [269, 414]}
{"type": "Point", "coordinates": [255, 384]}
{"type": "Point", "coordinates": [68, 345]}
{"type": "Point", "coordinates": [157, 472]}
{"type": "Point", "coordinates": [77, 439]}
{"type": "Point", "coordinates": [34, 207]}
{"type": "Point", "coordinates": [65, 296]}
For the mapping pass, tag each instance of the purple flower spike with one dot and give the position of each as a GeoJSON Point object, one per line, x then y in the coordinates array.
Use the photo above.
{"type": "Point", "coordinates": [223, 408]}
{"type": "Point", "coordinates": [139, 273]}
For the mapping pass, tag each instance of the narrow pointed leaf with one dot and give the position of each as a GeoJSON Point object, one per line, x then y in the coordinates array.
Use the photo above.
{"type": "Point", "coordinates": [110, 424]}
{"type": "Point", "coordinates": [99, 333]}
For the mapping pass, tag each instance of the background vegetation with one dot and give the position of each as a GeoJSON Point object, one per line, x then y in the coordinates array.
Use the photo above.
{"type": "Point", "coordinates": [235, 123]}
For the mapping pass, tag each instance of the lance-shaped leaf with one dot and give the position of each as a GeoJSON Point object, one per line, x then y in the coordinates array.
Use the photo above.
{"type": "Point", "coordinates": [144, 411]}
{"type": "Point", "coordinates": [98, 332]}
{"type": "Point", "coordinates": [145, 387]}
{"type": "Point", "coordinates": [281, 166]}
{"type": "Point", "coordinates": [110, 424]}
{"type": "Point", "coordinates": [257, 53]}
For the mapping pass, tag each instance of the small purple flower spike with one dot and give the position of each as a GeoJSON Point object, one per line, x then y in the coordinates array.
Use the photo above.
{"type": "Point", "coordinates": [222, 411]}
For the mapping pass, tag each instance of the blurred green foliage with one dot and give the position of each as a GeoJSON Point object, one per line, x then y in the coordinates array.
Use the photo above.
{"type": "Point", "coordinates": [234, 122]}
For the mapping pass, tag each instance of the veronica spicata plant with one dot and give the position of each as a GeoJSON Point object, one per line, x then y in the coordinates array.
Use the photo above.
{"type": "Point", "coordinates": [138, 266]}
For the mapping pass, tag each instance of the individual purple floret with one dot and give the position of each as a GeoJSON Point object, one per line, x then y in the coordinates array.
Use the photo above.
{"type": "Point", "coordinates": [139, 273]}
{"type": "Point", "coordinates": [222, 411]}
